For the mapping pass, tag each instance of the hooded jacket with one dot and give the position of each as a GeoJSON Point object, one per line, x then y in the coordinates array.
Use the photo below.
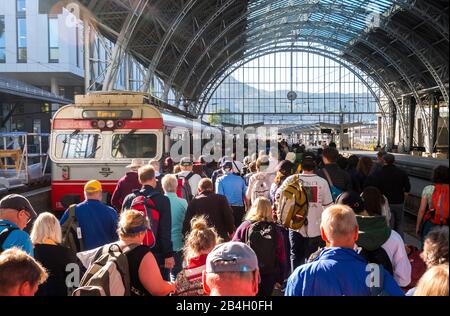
{"type": "Point", "coordinates": [374, 233]}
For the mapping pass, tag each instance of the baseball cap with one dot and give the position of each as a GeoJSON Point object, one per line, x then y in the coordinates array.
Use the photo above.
{"type": "Point", "coordinates": [92, 186]}
{"type": "Point", "coordinates": [308, 156]}
{"type": "Point", "coordinates": [17, 202]}
{"type": "Point", "coordinates": [227, 164]}
{"type": "Point", "coordinates": [263, 163]}
{"type": "Point", "coordinates": [231, 257]}
{"type": "Point", "coordinates": [389, 158]}
{"type": "Point", "coordinates": [186, 161]}
{"type": "Point", "coordinates": [351, 199]}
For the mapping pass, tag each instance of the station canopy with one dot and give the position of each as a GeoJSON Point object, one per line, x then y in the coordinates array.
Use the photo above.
{"type": "Point", "coordinates": [402, 45]}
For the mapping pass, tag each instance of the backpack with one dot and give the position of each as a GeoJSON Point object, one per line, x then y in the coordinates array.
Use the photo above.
{"type": "Point", "coordinates": [378, 256]}
{"type": "Point", "coordinates": [438, 213]}
{"type": "Point", "coordinates": [292, 204]}
{"type": "Point", "coordinates": [108, 275]}
{"type": "Point", "coordinates": [260, 188]}
{"type": "Point", "coordinates": [335, 191]}
{"type": "Point", "coordinates": [184, 190]}
{"type": "Point", "coordinates": [262, 238]}
{"type": "Point", "coordinates": [146, 205]}
{"type": "Point", "coordinates": [5, 234]}
{"type": "Point", "coordinates": [71, 232]}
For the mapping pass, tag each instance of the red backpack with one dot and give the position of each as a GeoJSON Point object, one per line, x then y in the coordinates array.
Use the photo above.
{"type": "Point", "coordinates": [184, 188]}
{"type": "Point", "coordinates": [146, 205]}
{"type": "Point", "coordinates": [438, 214]}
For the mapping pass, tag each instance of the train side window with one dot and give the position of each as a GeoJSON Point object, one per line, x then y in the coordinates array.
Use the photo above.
{"type": "Point", "coordinates": [125, 146]}
{"type": "Point", "coordinates": [78, 146]}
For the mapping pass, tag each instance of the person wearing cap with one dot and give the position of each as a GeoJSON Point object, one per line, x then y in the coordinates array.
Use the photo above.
{"type": "Point", "coordinates": [374, 234]}
{"type": "Point", "coordinates": [127, 184]}
{"type": "Point", "coordinates": [186, 173]}
{"type": "Point", "coordinates": [233, 188]}
{"type": "Point", "coordinates": [394, 183]}
{"type": "Point", "coordinates": [15, 214]}
{"type": "Point", "coordinates": [231, 270]}
{"type": "Point", "coordinates": [219, 172]}
{"type": "Point", "coordinates": [339, 270]}
{"type": "Point", "coordinates": [204, 163]}
{"type": "Point", "coordinates": [97, 221]}
{"type": "Point", "coordinates": [307, 239]}
{"type": "Point", "coordinates": [261, 177]}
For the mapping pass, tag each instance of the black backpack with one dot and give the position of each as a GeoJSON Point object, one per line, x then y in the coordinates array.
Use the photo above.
{"type": "Point", "coordinates": [4, 235]}
{"type": "Point", "coordinates": [262, 238]}
{"type": "Point", "coordinates": [378, 256]}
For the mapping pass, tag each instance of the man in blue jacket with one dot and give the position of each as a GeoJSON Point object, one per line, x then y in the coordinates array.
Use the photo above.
{"type": "Point", "coordinates": [339, 270]}
{"type": "Point", "coordinates": [97, 221]}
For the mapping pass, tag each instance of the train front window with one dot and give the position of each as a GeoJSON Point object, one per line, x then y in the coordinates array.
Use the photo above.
{"type": "Point", "coordinates": [132, 145]}
{"type": "Point", "coordinates": [78, 146]}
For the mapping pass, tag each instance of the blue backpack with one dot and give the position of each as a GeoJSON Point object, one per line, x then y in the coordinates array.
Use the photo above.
{"type": "Point", "coordinates": [335, 191]}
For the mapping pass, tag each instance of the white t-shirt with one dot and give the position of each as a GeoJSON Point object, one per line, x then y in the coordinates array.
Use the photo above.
{"type": "Point", "coordinates": [319, 197]}
{"type": "Point", "coordinates": [395, 249]}
{"type": "Point", "coordinates": [268, 179]}
{"type": "Point", "coordinates": [193, 181]}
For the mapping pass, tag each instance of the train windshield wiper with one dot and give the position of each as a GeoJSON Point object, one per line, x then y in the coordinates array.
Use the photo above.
{"type": "Point", "coordinates": [92, 155]}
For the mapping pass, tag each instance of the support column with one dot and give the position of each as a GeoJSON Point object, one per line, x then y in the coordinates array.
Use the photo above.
{"type": "Point", "coordinates": [379, 128]}
{"type": "Point", "coordinates": [411, 122]}
{"type": "Point", "coordinates": [393, 110]}
{"type": "Point", "coordinates": [87, 55]}
{"type": "Point", "coordinates": [55, 90]}
{"type": "Point", "coordinates": [434, 124]}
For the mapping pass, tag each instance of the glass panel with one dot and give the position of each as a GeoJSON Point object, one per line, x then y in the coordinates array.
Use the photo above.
{"type": "Point", "coordinates": [21, 6]}
{"type": "Point", "coordinates": [134, 146]}
{"type": "Point", "coordinates": [78, 146]}
{"type": "Point", "coordinates": [21, 40]}
{"type": "Point", "coordinates": [53, 39]}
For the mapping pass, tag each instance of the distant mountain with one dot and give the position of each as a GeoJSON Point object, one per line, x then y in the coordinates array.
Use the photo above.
{"type": "Point", "coordinates": [264, 101]}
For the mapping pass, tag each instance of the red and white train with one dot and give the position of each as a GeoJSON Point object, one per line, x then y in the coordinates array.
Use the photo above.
{"type": "Point", "coordinates": [98, 135]}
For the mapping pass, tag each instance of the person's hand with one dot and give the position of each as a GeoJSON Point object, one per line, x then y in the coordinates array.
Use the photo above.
{"type": "Point", "coordinates": [169, 263]}
{"type": "Point", "coordinates": [417, 230]}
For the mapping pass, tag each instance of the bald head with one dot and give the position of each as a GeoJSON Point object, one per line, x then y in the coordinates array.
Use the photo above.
{"type": "Point", "coordinates": [339, 226]}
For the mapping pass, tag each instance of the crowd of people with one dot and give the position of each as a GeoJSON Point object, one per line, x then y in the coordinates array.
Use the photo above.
{"type": "Point", "coordinates": [307, 224]}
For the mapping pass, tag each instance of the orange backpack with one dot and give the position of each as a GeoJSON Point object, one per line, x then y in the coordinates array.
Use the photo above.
{"type": "Point", "coordinates": [438, 214]}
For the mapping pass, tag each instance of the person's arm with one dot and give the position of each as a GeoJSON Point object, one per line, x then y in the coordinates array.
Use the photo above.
{"type": "Point", "coordinates": [116, 198]}
{"type": "Point", "coordinates": [219, 187]}
{"type": "Point", "coordinates": [187, 219]}
{"type": "Point", "coordinates": [114, 225]}
{"type": "Point", "coordinates": [407, 187]}
{"type": "Point", "coordinates": [401, 266]}
{"type": "Point", "coordinates": [421, 212]}
{"type": "Point", "coordinates": [151, 278]}
{"type": "Point", "coordinates": [249, 188]}
{"type": "Point", "coordinates": [19, 238]}
{"type": "Point", "coordinates": [165, 227]}
{"type": "Point", "coordinates": [228, 217]}
{"type": "Point", "coordinates": [241, 232]}
{"type": "Point", "coordinates": [127, 201]}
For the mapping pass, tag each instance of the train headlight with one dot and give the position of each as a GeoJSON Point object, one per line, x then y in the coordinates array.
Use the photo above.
{"type": "Point", "coordinates": [101, 124]}
{"type": "Point", "coordinates": [94, 124]}
{"type": "Point", "coordinates": [110, 124]}
{"type": "Point", "coordinates": [120, 124]}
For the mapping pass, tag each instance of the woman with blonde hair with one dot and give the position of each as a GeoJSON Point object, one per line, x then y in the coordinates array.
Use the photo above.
{"type": "Point", "coordinates": [145, 276]}
{"type": "Point", "coordinates": [434, 282]}
{"type": "Point", "coordinates": [199, 243]}
{"type": "Point", "coordinates": [46, 238]}
{"type": "Point", "coordinates": [265, 238]}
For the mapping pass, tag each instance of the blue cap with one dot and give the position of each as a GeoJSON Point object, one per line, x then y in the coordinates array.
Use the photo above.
{"type": "Point", "coordinates": [231, 257]}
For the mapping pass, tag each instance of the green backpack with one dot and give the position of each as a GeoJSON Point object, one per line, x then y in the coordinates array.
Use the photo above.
{"type": "Point", "coordinates": [71, 232]}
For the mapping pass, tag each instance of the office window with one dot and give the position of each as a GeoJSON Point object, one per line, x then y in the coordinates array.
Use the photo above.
{"type": "Point", "coordinates": [2, 39]}
{"type": "Point", "coordinates": [53, 40]}
{"type": "Point", "coordinates": [21, 6]}
{"type": "Point", "coordinates": [21, 40]}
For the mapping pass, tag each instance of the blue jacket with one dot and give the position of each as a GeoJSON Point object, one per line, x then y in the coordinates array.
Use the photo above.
{"type": "Point", "coordinates": [336, 272]}
{"type": "Point", "coordinates": [98, 223]}
{"type": "Point", "coordinates": [16, 238]}
{"type": "Point", "coordinates": [178, 209]}
{"type": "Point", "coordinates": [233, 187]}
